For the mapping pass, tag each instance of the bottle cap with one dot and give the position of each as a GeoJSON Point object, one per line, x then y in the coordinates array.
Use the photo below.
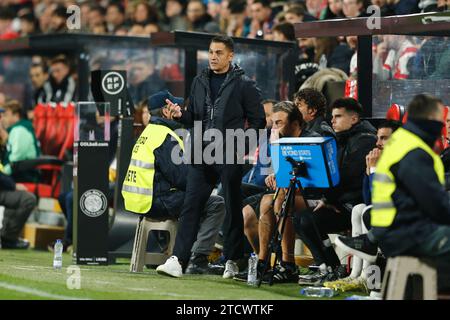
{"type": "Point", "coordinates": [58, 240]}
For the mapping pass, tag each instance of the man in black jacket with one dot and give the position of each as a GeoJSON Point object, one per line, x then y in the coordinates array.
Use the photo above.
{"type": "Point", "coordinates": [355, 138]}
{"type": "Point", "coordinates": [221, 98]}
{"type": "Point", "coordinates": [312, 104]}
{"type": "Point", "coordinates": [18, 205]}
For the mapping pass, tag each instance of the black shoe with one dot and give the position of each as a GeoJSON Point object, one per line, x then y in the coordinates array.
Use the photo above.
{"type": "Point", "coordinates": [359, 246]}
{"type": "Point", "coordinates": [315, 279]}
{"type": "Point", "coordinates": [243, 276]}
{"type": "Point", "coordinates": [19, 243]}
{"type": "Point", "coordinates": [199, 265]}
{"type": "Point", "coordinates": [339, 272]}
{"type": "Point", "coordinates": [283, 273]}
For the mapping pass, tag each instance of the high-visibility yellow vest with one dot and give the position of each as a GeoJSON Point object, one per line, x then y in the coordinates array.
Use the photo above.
{"type": "Point", "coordinates": [399, 145]}
{"type": "Point", "coordinates": [137, 189]}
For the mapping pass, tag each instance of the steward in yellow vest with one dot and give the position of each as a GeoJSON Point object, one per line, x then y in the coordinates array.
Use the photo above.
{"type": "Point", "coordinates": [153, 182]}
{"type": "Point", "coordinates": [411, 209]}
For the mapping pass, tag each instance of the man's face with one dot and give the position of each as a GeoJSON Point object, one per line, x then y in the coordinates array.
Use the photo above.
{"type": "Point", "coordinates": [383, 135]}
{"type": "Point", "coordinates": [139, 71]}
{"type": "Point", "coordinates": [342, 120]}
{"type": "Point", "coordinates": [114, 16]}
{"type": "Point", "coordinates": [268, 112]}
{"type": "Point", "coordinates": [259, 12]}
{"type": "Point", "coordinates": [351, 8]}
{"type": "Point", "coordinates": [293, 18]}
{"type": "Point", "coordinates": [8, 118]}
{"type": "Point", "coordinates": [305, 43]}
{"type": "Point", "coordinates": [281, 124]}
{"type": "Point", "coordinates": [38, 77]}
{"type": "Point", "coordinates": [57, 22]}
{"type": "Point", "coordinates": [219, 57]}
{"type": "Point", "coordinates": [195, 11]}
{"type": "Point", "coordinates": [59, 71]}
{"type": "Point", "coordinates": [308, 113]}
{"type": "Point", "coordinates": [95, 18]}
{"type": "Point", "coordinates": [335, 6]}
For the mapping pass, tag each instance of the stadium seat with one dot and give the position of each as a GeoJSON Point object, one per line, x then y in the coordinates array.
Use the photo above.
{"type": "Point", "coordinates": [398, 272]}
{"type": "Point", "coordinates": [140, 256]}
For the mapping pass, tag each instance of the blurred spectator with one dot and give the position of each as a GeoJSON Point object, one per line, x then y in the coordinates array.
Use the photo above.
{"type": "Point", "coordinates": [199, 20]}
{"type": "Point", "coordinates": [145, 14]}
{"type": "Point", "coordinates": [236, 21]}
{"type": "Point", "coordinates": [285, 32]}
{"type": "Point", "coordinates": [333, 10]}
{"type": "Point", "coordinates": [213, 8]}
{"type": "Point", "coordinates": [262, 22]}
{"type": "Point", "coordinates": [62, 84]}
{"type": "Point", "coordinates": [352, 42]}
{"type": "Point", "coordinates": [29, 24]}
{"type": "Point", "coordinates": [353, 8]}
{"type": "Point", "coordinates": [443, 5]}
{"type": "Point", "coordinates": [399, 51]}
{"type": "Point", "coordinates": [39, 76]}
{"type": "Point", "coordinates": [305, 66]}
{"type": "Point", "coordinates": [17, 134]}
{"type": "Point", "coordinates": [324, 47]}
{"type": "Point", "coordinates": [115, 16]}
{"type": "Point", "coordinates": [315, 7]}
{"type": "Point", "coordinates": [386, 6]}
{"type": "Point", "coordinates": [341, 56]}
{"type": "Point", "coordinates": [144, 79]}
{"type": "Point", "coordinates": [96, 20]}
{"type": "Point", "coordinates": [425, 63]}
{"type": "Point", "coordinates": [406, 6]}
{"type": "Point", "coordinates": [45, 18]}
{"type": "Point", "coordinates": [58, 20]}
{"type": "Point", "coordinates": [297, 14]}
{"type": "Point", "coordinates": [6, 19]}
{"type": "Point", "coordinates": [174, 18]}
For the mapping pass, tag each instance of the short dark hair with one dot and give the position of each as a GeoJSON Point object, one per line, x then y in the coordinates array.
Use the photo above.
{"type": "Point", "coordinates": [293, 112]}
{"type": "Point", "coordinates": [313, 99]}
{"type": "Point", "coordinates": [237, 6]}
{"type": "Point", "coordinates": [422, 106]}
{"type": "Point", "coordinates": [349, 104]}
{"type": "Point", "coordinates": [118, 5]}
{"type": "Point", "coordinates": [391, 124]}
{"type": "Point", "coordinates": [297, 10]}
{"type": "Point", "coordinates": [40, 65]}
{"type": "Point", "coordinates": [60, 59]}
{"type": "Point", "coordinates": [264, 3]}
{"type": "Point", "coordinates": [227, 41]}
{"type": "Point", "coordinates": [14, 106]}
{"type": "Point", "coordinates": [98, 8]}
{"type": "Point", "coordinates": [274, 102]}
{"type": "Point", "coordinates": [287, 29]}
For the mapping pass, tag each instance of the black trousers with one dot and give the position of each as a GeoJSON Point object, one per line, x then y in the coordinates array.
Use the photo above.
{"type": "Point", "coordinates": [201, 180]}
{"type": "Point", "coordinates": [18, 207]}
{"type": "Point", "coordinates": [313, 228]}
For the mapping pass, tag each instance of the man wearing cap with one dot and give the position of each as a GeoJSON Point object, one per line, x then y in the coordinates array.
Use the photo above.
{"type": "Point", "coordinates": [155, 186]}
{"type": "Point", "coordinates": [221, 98]}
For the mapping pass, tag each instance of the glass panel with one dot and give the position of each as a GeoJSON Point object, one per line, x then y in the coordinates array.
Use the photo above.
{"type": "Point", "coordinates": [404, 66]}
{"type": "Point", "coordinates": [92, 121]}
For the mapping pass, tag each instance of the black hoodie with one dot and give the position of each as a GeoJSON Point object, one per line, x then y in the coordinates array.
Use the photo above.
{"type": "Point", "coordinates": [353, 146]}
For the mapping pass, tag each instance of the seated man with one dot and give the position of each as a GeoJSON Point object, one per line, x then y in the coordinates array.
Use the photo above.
{"type": "Point", "coordinates": [312, 104]}
{"type": "Point", "coordinates": [17, 134]}
{"type": "Point", "coordinates": [287, 122]}
{"type": "Point", "coordinates": [411, 209]}
{"type": "Point", "coordinates": [355, 138]}
{"type": "Point", "coordinates": [18, 205]}
{"type": "Point", "coordinates": [155, 186]}
{"type": "Point", "coordinates": [361, 212]}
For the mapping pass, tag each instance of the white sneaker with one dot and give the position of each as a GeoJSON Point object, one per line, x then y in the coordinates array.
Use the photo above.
{"type": "Point", "coordinates": [171, 268]}
{"type": "Point", "coordinates": [231, 269]}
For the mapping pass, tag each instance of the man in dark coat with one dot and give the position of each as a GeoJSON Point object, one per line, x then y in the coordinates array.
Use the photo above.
{"type": "Point", "coordinates": [221, 98]}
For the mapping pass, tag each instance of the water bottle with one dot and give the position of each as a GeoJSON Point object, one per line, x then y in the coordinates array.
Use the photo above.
{"type": "Point", "coordinates": [57, 258]}
{"type": "Point", "coordinates": [318, 292]}
{"type": "Point", "coordinates": [252, 278]}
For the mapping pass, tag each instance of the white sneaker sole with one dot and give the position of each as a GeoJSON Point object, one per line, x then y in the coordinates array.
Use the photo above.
{"type": "Point", "coordinates": [166, 273]}
{"type": "Point", "coordinates": [360, 254]}
{"type": "Point", "coordinates": [228, 275]}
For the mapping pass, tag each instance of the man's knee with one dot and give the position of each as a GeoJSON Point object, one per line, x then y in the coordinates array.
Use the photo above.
{"type": "Point", "coordinates": [249, 216]}
{"type": "Point", "coordinates": [266, 205]}
{"type": "Point", "coordinates": [28, 200]}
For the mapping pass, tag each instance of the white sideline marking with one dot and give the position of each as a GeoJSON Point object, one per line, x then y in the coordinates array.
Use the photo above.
{"type": "Point", "coordinates": [36, 292]}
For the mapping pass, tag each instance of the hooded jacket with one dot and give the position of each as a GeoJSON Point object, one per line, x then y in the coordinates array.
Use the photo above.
{"type": "Point", "coordinates": [353, 146]}
{"type": "Point", "coordinates": [420, 199]}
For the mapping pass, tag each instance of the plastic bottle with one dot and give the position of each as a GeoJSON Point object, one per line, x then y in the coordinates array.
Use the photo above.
{"type": "Point", "coordinates": [252, 279]}
{"type": "Point", "coordinates": [57, 258]}
{"type": "Point", "coordinates": [318, 292]}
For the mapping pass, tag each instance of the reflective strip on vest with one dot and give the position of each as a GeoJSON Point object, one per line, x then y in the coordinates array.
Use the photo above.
{"type": "Point", "coordinates": [398, 146]}
{"type": "Point", "coordinates": [141, 164]}
{"type": "Point", "coordinates": [138, 190]}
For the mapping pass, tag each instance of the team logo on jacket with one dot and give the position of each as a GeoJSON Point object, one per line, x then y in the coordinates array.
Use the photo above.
{"type": "Point", "coordinates": [93, 203]}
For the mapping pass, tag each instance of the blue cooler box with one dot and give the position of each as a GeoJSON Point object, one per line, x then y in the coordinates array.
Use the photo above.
{"type": "Point", "coordinates": [319, 154]}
